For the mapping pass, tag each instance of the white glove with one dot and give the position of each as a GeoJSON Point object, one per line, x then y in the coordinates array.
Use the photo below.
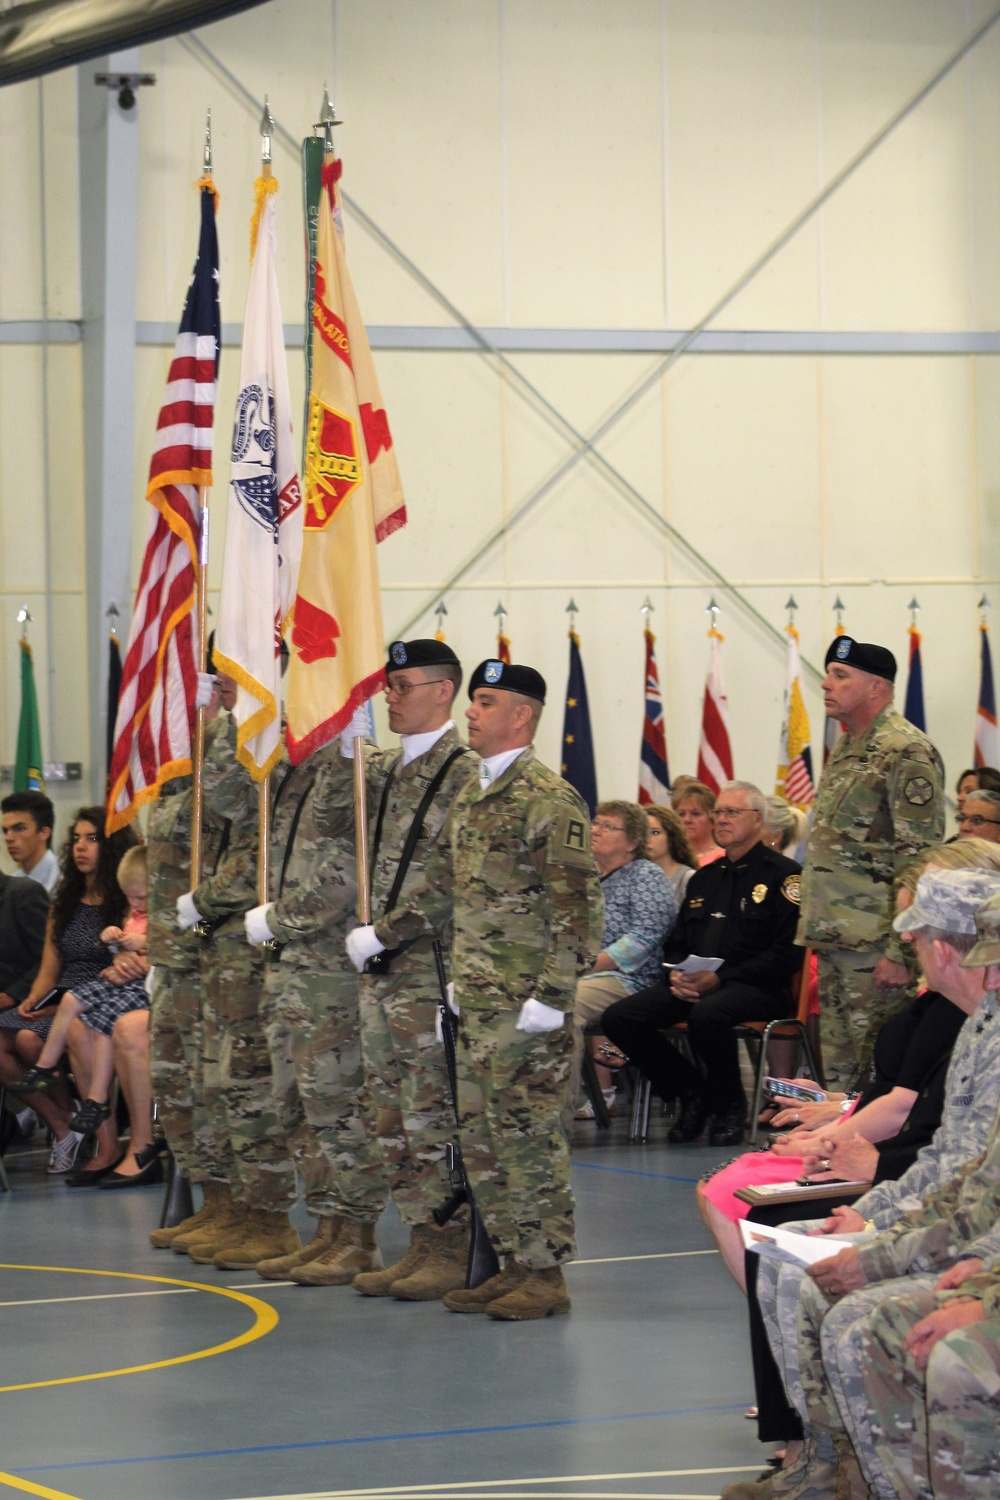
{"type": "Point", "coordinates": [362, 944]}
{"type": "Point", "coordinates": [188, 914]}
{"type": "Point", "coordinates": [538, 1017]}
{"type": "Point", "coordinates": [450, 999]}
{"type": "Point", "coordinates": [147, 983]}
{"type": "Point", "coordinates": [255, 924]}
{"type": "Point", "coordinates": [357, 729]}
{"type": "Point", "coordinates": [204, 690]}
{"type": "Point", "coordinates": [450, 993]}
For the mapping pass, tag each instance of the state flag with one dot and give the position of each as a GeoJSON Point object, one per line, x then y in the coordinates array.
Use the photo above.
{"type": "Point", "coordinates": [794, 780]}
{"type": "Point", "coordinates": [654, 774]}
{"type": "Point", "coordinates": [987, 748]}
{"type": "Point", "coordinates": [578, 745]}
{"type": "Point", "coordinates": [715, 756]}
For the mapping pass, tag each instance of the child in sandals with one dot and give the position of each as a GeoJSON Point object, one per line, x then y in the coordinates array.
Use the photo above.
{"type": "Point", "coordinates": [101, 1001]}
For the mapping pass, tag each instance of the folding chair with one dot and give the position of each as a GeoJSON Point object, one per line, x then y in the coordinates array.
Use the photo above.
{"type": "Point", "coordinates": [758, 1034]}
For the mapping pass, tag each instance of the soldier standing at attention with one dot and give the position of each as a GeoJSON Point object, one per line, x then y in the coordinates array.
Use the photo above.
{"type": "Point", "coordinates": [880, 800]}
{"type": "Point", "coordinates": [529, 918]}
{"type": "Point", "coordinates": [404, 1061]}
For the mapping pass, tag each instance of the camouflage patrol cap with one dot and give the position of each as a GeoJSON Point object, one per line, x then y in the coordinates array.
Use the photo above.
{"type": "Point", "coordinates": [510, 677]}
{"type": "Point", "coordinates": [420, 653]}
{"type": "Point", "coordinates": [948, 900]}
{"type": "Point", "coordinates": [877, 660]}
{"type": "Point", "coordinates": [987, 949]}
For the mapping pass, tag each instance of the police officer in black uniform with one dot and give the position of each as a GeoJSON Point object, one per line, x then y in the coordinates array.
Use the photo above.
{"type": "Point", "coordinates": [744, 909]}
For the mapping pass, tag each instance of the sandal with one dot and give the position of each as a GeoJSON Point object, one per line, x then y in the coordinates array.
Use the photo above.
{"type": "Point", "coordinates": [39, 1080]}
{"type": "Point", "coordinates": [90, 1117]}
{"type": "Point", "coordinates": [611, 1056]}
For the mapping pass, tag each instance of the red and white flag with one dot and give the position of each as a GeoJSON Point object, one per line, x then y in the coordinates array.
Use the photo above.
{"type": "Point", "coordinates": [260, 566]}
{"type": "Point", "coordinates": [153, 728]}
{"type": "Point", "coordinates": [715, 756]}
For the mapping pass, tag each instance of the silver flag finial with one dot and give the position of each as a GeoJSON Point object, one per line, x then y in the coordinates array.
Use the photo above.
{"type": "Point", "coordinates": [266, 132]}
{"type": "Point", "coordinates": [206, 161]}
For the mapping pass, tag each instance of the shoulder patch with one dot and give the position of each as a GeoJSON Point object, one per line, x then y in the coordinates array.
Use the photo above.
{"type": "Point", "coordinates": [918, 791]}
{"type": "Point", "coordinates": [569, 838]}
{"type": "Point", "coordinates": [791, 889]}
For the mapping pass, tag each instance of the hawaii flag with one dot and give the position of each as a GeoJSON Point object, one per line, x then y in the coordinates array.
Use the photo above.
{"type": "Point", "coordinates": [264, 517]}
{"type": "Point", "coordinates": [353, 499]}
{"type": "Point", "coordinates": [715, 757]}
{"type": "Point", "coordinates": [794, 780]}
{"type": "Point", "coordinates": [987, 749]}
{"type": "Point", "coordinates": [654, 777]}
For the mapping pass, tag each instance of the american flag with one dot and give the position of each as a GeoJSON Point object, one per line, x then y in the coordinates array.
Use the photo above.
{"type": "Point", "coordinates": [715, 757]}
{"type": "Point", "coordinates": [654, 775]}
{"type": "Point", "coordinates": [987, 748]}
{"type": "Point", "coordinates": [153, 729]}
{"type": "Point", "coordinates": [794, 781]}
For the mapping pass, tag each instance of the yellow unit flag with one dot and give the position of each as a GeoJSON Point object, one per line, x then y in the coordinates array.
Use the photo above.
{"type": "Point", "coordinates": [353, 499]}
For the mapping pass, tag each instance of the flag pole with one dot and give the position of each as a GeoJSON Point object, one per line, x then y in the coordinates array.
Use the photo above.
{"type": "Point", "coordinates": [201, 586]}
{"type": "Point", "coordinates": [328, 119]}
{"type": "Point", "coordinates": [264, 786]}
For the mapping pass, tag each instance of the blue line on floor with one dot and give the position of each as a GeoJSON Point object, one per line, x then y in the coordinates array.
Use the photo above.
{"type": "Point", "coordinates": [386, 1437]}
{"type": "Point", "coordinates": [593, 1166]}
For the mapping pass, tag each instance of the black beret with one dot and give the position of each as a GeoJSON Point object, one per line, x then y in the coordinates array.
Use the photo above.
{"type": "Point", "coordinates": [511, 678]}
{"type": "Point", "coordinates": [423, 653]}
{"type": "Point", "coordinates": [863, 655]}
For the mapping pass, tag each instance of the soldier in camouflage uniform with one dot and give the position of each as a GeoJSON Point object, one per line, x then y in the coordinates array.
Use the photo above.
{"type": "Point", "coordinates": [529, 918]}
{"type": "Point", "coordinates": [311, 1020]}
{"type": "Point", "coordinates": [879, 802]}
{"type": "Point", "coordinates": [175, 1020]}
{"type": "Point", "coordinates": [931, 1375]}
{"type": "Point", "coordinates": [816, 1321]}
{"type": "Point", "coordinates": [404, 1060]}
{"type": "Point", "coordinates": [237, 1068]}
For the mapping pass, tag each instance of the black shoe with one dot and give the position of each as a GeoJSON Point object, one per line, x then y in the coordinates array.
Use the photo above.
{"type": "Point", "coordinates": [729, 1125]}
{"type": "Point", "coordinates": [90, 1117]}
{"type": "Point", "coordinates": [149, 1174]}
{"type": "Point", "coordinates": [81, 1178]}
{"type": "Point", "coordinates": [692, 1121]}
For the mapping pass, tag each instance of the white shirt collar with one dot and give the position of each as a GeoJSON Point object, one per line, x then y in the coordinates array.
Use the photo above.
{"type": "Point", "coordinates": [419, 744]}
{"type": "Point", "coordinates": [46, 872]}
{"type": "Point", "coordinates": [495, 765]}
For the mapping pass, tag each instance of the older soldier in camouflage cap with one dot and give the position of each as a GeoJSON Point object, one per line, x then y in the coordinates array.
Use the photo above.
{"type": "Point", "coordinates": [820, 1351]}
{"type": "Point", "coordinates": [931, 1359]}
{"type": "Point", "coordinates": [529, 917]}
{"type": "Point", "coordinates": [411, 903]}
{"type": "Point", "coordinates": [879, 801]}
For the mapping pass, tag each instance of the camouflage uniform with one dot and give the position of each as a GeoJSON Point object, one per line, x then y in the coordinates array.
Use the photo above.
{"type": "Point", "coordinates": [529, 918]}
{"type": "Point", "coordinates": [972, 1091]}
{"type": "Point", "coordinates": [935, 1430]}
{"type": "Point", "coordinates": [175, 1019]}
{"type": "Point", "coordinates": [311, 1006]}
{"type": "Point", "coordinates": [879, 802]}
{"type": "Point", "coordinates": [404, 1062]}
{"type": "Point", "coordinates": [238, 1090]}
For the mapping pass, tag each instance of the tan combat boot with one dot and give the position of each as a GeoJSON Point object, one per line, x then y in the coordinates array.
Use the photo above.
{"type": "Point", "coordinates": [203, 1248]}
{"type": "Point", "coordinates": [808, 1478]}
{"type": "Point", "coordinates": [540, 1294]}
{"type": "Point", "coordinates": [224, 1212]}
{"type": "Point", "coordinates": [441, 1270]}
{"type": "Point", "coordinates": [280, 1267]}
{"type": "Point", "coordinates": [214, 1194]}
{"type": "Point", "coordinates": [266, 1235]}
{"type": "Point", "coordinates": [353, 1252]}
{"type": "Point", "coordinates": [476, 1299]}
{"type": "Point", "coordinates": [379, 1283]}
{"type": "Point", "coordinates": [851, 1482]}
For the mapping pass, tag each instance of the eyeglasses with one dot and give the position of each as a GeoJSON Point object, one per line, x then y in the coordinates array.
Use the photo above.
{"type": "Point", "coordinates": [975, 821]}
{"type": "Point", "coordinates": [607, 827]}
{"type": "Point", "coordinates": [403, 689]}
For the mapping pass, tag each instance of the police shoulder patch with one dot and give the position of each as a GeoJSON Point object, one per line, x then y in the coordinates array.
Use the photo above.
{"type": "Point", "coordinates": [791, 889]}
{"type": "Point", "coordinates": [918, 790]}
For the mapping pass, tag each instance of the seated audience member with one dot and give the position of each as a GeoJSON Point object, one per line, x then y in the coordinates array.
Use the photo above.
{"type": "Point", "coordinates": [28, 819]}
{"type": "Point", "coordinates": [667, 846]}
{"type": "Point", "coordinates": [24, 908]}
{"type": "Point", "coordinates": [980, 817]}
{"type": "Point", "coordinates": [693, 802]}
{"type": "Point", "coordinates": [639, 913]}
{"type": "Point", "coordinates": [785, 826]}
{"type": "Point", "coordinates": [742, 909]}
{"type": "Point", "coordinates": [947, 915]}
{"type": "Point", "coordinates": [87, 900]}
{"type": "Point", "coordinates": [897, 1113]}
{"type": "Point", "coordinates": [100, 1002]}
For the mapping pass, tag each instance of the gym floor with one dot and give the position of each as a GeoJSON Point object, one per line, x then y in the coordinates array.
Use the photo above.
{"type": "Point", "coordinates": [128, 1372]}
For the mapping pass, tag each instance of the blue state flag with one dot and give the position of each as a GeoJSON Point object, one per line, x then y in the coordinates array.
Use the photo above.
{"type": "Point", "coordinates": [578, 744]}
{"type": "Point", "coordinates": [913, 708]}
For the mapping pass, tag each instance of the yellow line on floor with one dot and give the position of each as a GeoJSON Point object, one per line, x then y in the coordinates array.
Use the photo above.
{"type": "Point", "coordinates": [10, 1481]}
{"type": "Point", "coordinates": [265, 1319]}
